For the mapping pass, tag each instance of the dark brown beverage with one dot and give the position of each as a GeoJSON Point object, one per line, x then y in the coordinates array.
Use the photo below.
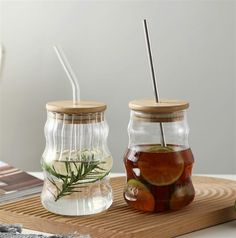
{"type": "Point", "coordinates": [158, 178]}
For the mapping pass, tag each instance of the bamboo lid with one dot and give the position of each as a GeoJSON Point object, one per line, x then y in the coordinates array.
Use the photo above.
{"type": "Point", "coordinates": [164, 106]}
{"type": "Point", "coordinates": [82, 107]}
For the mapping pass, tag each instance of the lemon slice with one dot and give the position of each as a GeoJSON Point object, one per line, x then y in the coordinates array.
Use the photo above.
{"type": "Point", "coordinates": [182, 196]}
{"type": "Point", "coordinates": [138, 196]}
{"type": "Point", "coordinates": [162, 167]}
{"type": "Point", "coordinates": [159, 148]}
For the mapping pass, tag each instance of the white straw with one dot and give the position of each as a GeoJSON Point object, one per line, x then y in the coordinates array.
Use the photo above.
{"type": "Point", "coordinates": [69, 72]}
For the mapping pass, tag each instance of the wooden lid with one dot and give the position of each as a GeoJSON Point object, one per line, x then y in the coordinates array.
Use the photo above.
{"type": "Point", "coordinates": [68, 107]}
{"type": "Point", "coordinates": [164, 106]}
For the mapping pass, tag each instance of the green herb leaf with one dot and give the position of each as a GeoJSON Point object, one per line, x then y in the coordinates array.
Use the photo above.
{"type": "Point", "coordinates": [76, 177]}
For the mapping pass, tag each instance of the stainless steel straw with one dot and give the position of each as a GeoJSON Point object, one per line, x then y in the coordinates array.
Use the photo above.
{"type": "Point", "coordinates": [155, 88]}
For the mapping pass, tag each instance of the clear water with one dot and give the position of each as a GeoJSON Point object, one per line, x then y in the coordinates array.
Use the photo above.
{"type": "Point", "coordinates": [94, 198]}
{"type": "Point", "coordinates": [91, 194]}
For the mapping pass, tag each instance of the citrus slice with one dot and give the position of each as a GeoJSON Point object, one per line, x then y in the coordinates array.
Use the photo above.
{"type": "Point", "coordinates": [138, 196]}
{"type": "Point", "coordinates": [182, 196]}
{"type": "Point", "coordinates": [158, 148]}
{"type": "Point", "coordinates": [162, 167]}
{"type": "Point", "coordinates": [64, 168]}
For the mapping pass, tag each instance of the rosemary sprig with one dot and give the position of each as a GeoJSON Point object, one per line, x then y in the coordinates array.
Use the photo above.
{"type": "Point", "coordinates": [76, 177]}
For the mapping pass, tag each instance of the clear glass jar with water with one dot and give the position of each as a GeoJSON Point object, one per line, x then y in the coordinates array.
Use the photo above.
{"type": "Point", "coordinates": [76, 161]}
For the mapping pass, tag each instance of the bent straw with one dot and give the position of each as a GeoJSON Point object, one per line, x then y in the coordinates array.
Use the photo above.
{"type": "Point", "coordinates": [155, 88]}
{"type": "Point", "coordinates": [69, 72]}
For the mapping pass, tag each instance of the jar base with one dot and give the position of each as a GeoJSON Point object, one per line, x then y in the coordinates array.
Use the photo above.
{"type": "Point", "coordinates": [78, 207]}
{"type": "Point", "coordinates": [90, 199]}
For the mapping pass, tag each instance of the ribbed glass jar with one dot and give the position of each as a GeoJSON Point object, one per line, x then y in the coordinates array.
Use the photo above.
{"type": "Point", "coordinates": [159, 160]}
{"type": "Point", "coordinates": [76, 161]}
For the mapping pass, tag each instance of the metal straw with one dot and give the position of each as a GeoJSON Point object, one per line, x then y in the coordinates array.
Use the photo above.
{"type": "Point", "coordinates": [155, 88]}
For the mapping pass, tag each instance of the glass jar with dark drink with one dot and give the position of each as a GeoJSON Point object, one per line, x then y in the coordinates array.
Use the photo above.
{"type": "Point", "coordinates": [159, 160]}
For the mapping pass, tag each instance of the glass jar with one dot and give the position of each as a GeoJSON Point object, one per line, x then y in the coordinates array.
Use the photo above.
{"type": "Point", "coordinates": [159, 160]}
{"type": "Point", "coordinates": [76, 161]}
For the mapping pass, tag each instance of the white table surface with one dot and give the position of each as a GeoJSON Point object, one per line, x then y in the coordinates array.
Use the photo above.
{"type": "Point", "coordinates": [225, 230]}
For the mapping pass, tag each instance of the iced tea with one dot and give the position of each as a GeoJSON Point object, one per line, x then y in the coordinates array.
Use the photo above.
{"type": "Point", "coordinates": [158, 178]}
